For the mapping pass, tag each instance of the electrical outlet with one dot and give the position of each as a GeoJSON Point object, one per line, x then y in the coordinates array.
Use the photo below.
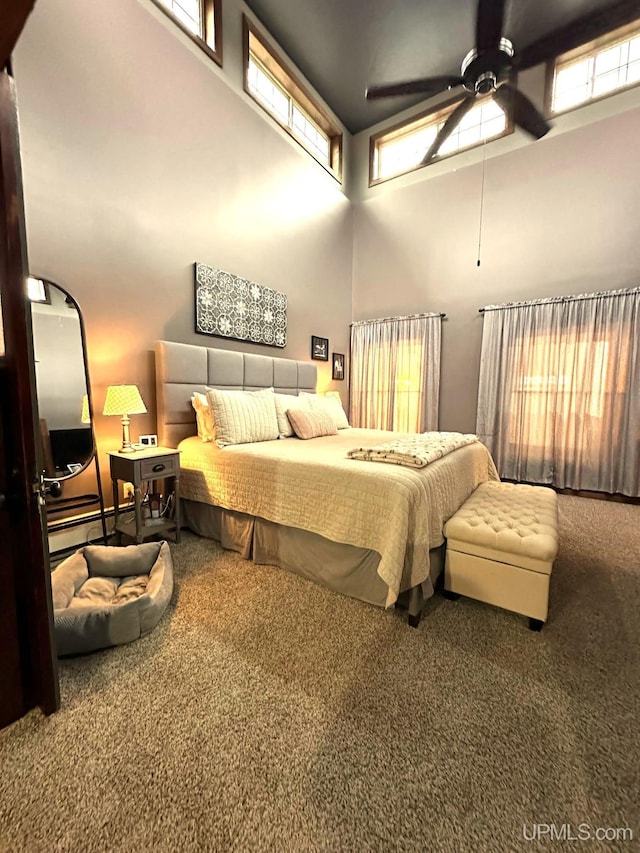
{"type": "Point", "coordinates": [128, 491]}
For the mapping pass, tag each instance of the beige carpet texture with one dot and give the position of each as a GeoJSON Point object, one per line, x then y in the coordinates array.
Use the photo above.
{"type": "Point", "coordinates": [267, 713]}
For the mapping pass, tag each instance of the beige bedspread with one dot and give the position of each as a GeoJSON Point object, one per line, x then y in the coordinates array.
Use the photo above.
{"type": "Point", "coordinates": [394, 510]}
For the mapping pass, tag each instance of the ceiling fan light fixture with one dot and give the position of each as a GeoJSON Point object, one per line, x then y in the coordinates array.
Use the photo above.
{"type": "Point", "coordinates": [505, 46]}
{"type": "Point", "coordinates": [466, 62]}
{"type": "Point", "coordinates": [486, 83]}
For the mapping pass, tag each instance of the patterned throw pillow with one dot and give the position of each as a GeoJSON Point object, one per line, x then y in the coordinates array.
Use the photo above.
{"type": "Point", "coordinates": [242, 417]}
{"type": "Point", "coordinates": [309, 424]}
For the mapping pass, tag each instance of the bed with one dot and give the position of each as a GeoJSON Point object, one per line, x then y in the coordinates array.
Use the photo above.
{"type": "Point", "coordinates": [369, 530]}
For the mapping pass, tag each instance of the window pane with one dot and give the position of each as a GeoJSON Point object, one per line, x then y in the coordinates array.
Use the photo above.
{"type": "Point", "coordinates": [574, 76]}
{"type": "Point", "coordinates": [470, 119]}
{"type": "Point", "coordinates": [633, 72]}
{"type": "Point", "coordinates": [609, 59]}
{"type": "Point", "coordinates": [188, 12]}
{"type": "Point", "coordinates": [404, 153]}
{"type": "Point", "coordinates": [473, 128]}
{"type": "Point", "coordinates": [490, 110]}
{"type": "Point", "coordinates": [494, 127]}
{"type": "Point", "coordinates": [572, 84]}
{"type": "Point", "coordinates": [310, 134]}
{"type": "Point", "coordinates": [268, 92]}
{"type": "Point", "coordinates": [606, 83]}
{"type": "Point", "coordinates": [284, 108]}
{"type": "Point", "coordinates": [469, 137]}
{"type": "Point", "coordinates": [602, 72]}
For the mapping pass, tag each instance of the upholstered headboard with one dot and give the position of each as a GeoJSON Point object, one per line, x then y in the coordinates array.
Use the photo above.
{"type": "Point", "coordinates": [182, 369]}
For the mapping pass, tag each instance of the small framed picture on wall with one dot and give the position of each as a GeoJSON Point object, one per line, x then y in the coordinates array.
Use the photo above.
{"type": "Point", "coordinates": [319, 348]}
{"type": "Point", "coordinates": [337, 371]}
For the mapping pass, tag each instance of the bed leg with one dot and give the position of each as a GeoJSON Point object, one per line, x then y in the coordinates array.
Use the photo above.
{"type": "Point", "coordinates": [535, 624]}
{"type": "Point", "coordinates": [413, 619]}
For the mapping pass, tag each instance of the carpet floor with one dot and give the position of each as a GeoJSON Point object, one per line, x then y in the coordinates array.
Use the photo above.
{"type": "Point", "coordinates": [267, 713]}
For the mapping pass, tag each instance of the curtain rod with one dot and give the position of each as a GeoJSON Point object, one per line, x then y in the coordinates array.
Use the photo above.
{"type": "Point", "coordinates": [405, 317]}
{"type": "Point", "coordinates": [555, 299]}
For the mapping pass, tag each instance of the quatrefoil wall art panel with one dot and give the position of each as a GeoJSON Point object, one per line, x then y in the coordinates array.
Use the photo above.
{"type": "Point", "coordinates": [229, 306]}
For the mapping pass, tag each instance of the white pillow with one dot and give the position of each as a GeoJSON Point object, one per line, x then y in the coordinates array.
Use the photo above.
{"type": "Point", "coordinates": [331, 406]}
{"type": "Point", "coordinates": [242, 417]}
{"type": "Point", "coordinates": [284, 402]}
{"type": "Point", "coordinates": [204, 416]}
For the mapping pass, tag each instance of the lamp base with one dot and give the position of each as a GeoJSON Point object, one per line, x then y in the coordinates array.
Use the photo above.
{"type": "Point", "coordinates": [126, 441]}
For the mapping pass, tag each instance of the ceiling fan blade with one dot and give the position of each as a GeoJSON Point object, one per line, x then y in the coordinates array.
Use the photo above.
{"type": "Point", "coordinates": [578, 32]}
{"type": "Point", "coordinates": [448, 127]}
{"type": "Point", "coordinates": [424, 86]}
{"type": "Point", "coordinates": [489, 23]}
{"type": "Point", "coordinates": [525, 114]}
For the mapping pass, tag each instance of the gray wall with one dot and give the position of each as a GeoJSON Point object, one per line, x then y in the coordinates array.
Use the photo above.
{"type": "Point", "coordinates": [559, 217]}
{"type": "Point", "coordinates": [140, 156]}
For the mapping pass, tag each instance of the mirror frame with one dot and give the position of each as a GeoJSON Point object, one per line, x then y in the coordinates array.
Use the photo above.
{"type": "Point", "coordinates": [83, 340]}
{"type": "Point", "coordinates": [80, 501]}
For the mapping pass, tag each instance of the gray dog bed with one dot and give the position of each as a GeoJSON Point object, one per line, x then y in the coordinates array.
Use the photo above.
{"type": "Point", "coordinates": [105, 596]}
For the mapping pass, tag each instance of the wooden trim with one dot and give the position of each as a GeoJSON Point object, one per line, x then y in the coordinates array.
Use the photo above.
{"type": "Point", "coordinates": [13, 702]}
{"type": "Point", "coordinates": [549, 75]}
{"type": "Point", "coordinates": [616, 497]}
{"type": "Point", "coordinates": [27, 522]}
{"type": "Point", "coordinates": [211, 12]}
{"type": "Point", "coordinates": [609, 39]}
{"type": "Point", "coordinates": [435, 114]}
{"type": "Point", "coordinates": [285, 77]}
{"type": "Point", "coordinates": [12, 20]}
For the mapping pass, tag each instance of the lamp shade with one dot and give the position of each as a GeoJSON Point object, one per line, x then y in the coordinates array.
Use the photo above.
{"type": "Point", "coordinates": [123, 400]}
{"type": "Point", "coordinates": [85, 418]}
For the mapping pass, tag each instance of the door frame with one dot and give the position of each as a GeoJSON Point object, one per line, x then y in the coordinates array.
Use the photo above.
{"type": "Point", "coordinates": [30, 677]}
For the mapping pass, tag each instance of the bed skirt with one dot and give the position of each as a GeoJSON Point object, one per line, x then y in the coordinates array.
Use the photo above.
{"type": "Point", "coordinates": [346, 569]}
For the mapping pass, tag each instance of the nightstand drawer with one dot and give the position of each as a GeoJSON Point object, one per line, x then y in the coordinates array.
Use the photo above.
{"type": "Point", "coordinates": [150, 468]}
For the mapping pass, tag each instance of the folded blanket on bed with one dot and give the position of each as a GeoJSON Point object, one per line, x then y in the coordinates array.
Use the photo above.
{"type": "Point", "coordinates": [416, 451]}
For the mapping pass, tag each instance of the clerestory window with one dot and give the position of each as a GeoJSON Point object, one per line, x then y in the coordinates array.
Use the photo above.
{"type": "Point", "coordinates": [269, 82]}
{"type": "Point", "coordinates": [596, 69]}
{"type": "Point", "coordinates": [400, 150]}
{"type": "Point", "coordinates": [201, 20]}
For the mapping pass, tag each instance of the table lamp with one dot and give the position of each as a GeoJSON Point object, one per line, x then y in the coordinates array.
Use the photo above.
{"type": "Point", "coordinates": [85, 417]}
{"type": "Point", "coordinates": [124, 400]}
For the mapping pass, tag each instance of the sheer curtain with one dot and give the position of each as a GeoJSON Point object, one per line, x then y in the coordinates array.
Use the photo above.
{"type": "Point", "coordinates": [395, 373]}
{"type": "Point", "coordinates": [559, 391]}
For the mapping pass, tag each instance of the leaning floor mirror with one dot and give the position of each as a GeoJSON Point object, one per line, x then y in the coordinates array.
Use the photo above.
{"type": "Point", "coordinates": [70, 459]}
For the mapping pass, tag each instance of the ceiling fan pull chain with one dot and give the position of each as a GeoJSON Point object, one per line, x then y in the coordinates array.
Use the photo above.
{"type": "Point", "coordinates": [484, 151]}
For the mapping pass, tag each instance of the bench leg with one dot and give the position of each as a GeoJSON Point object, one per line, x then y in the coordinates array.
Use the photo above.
{"type": "Point", "coordinates": [451, 596]}
{"type": "Point", "coordinates": [535, 624]}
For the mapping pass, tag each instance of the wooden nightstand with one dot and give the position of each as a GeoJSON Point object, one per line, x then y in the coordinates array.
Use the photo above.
{"type": "Point", "coordinates": [154, 463]}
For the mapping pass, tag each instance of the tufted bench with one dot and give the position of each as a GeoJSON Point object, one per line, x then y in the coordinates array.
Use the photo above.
{"type": "Point", "coordinates": [501, 545]}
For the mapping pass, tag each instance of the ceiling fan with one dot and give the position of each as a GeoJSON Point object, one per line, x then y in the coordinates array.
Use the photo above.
{"type": "Point", "coordinates": [488, 69]}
